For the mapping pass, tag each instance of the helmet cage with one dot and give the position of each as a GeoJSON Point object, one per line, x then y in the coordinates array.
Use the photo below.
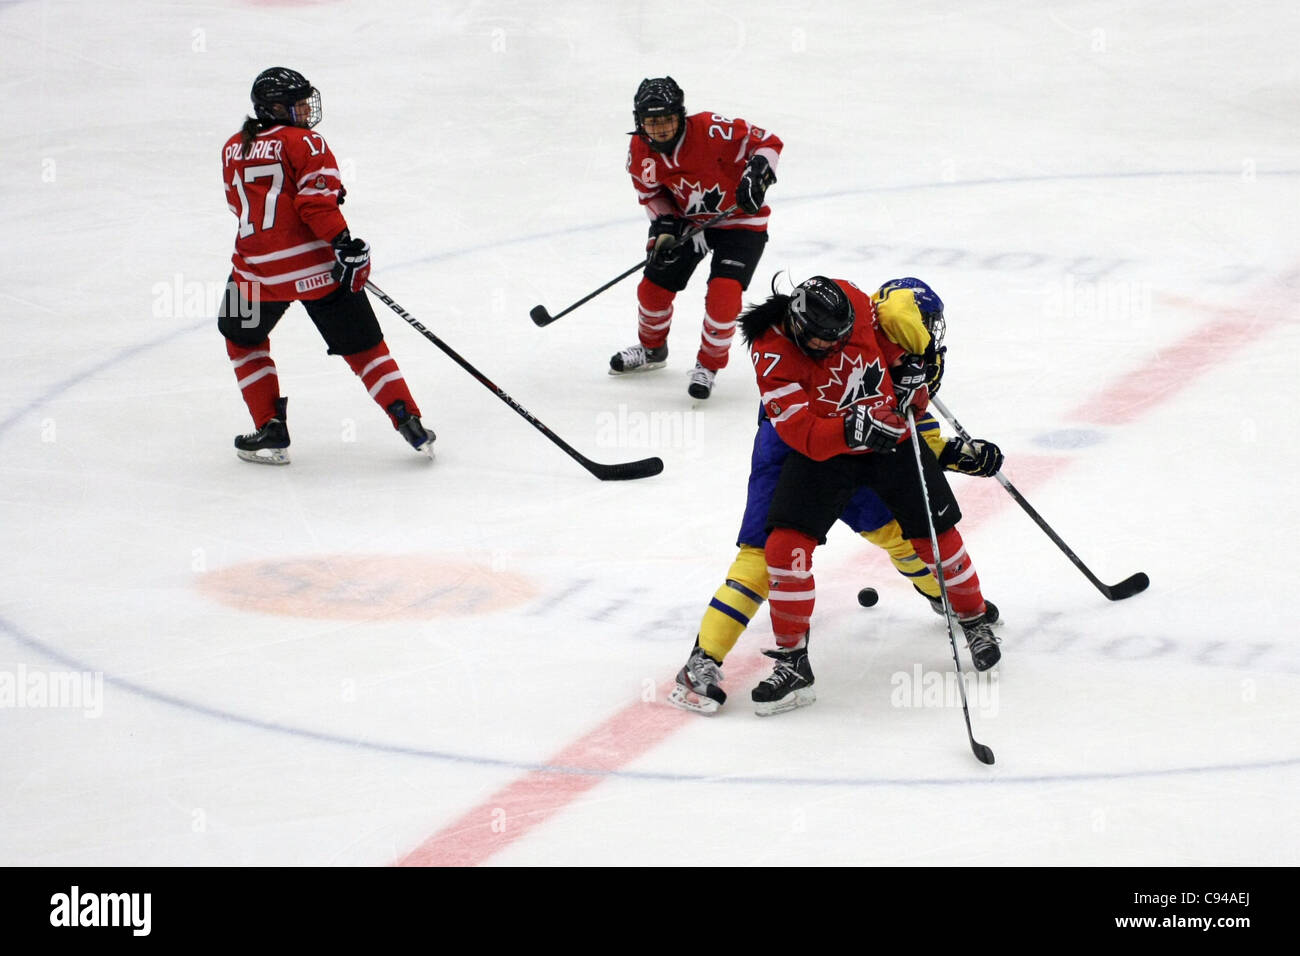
{"type": "Point", "coordinates": [285, 96]}
{"type": "Point", "coordinates": [659, 96]}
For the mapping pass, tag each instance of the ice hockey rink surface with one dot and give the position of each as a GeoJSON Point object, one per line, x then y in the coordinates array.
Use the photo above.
{"type": "Point", "coordinates": [366, 659]}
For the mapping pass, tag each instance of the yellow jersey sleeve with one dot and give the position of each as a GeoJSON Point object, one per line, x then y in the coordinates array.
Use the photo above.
{"type": "Point", "coordinates": [900, 317]}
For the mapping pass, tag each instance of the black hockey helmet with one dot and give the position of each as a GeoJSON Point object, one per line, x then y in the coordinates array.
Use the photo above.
{"type": "Point", "coordinates": [819, 309]}
{"type": "Point", "coordinates": [277, 91]}
{"type": "Point", "coordinates": [659, 96]}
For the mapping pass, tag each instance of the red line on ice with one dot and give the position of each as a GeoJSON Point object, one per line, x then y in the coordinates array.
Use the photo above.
{"type": "Point", "coordinates": [531, 800]}
{"type": "Point", "coordinates": [538, 795]}
{"type": "Point", "coordinates": [1176, 366]}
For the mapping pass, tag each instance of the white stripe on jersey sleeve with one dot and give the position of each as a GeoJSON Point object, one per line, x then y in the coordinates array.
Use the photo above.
{"type": "Point", "coordinates": [778, 393]}
{"type": "Point", "coordinates": [320, 172]}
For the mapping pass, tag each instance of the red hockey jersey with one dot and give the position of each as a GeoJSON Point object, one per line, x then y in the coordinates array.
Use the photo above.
{"type": "Point", "coordinates": [806, 400]}
{"type": "Point", "coordinates": [285, 193]}
{"type": "Point", "coordinates": [697, 180]}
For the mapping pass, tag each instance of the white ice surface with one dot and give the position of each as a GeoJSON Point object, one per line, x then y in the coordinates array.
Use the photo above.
{"type": "Point", "coordinates": [1086, 184]}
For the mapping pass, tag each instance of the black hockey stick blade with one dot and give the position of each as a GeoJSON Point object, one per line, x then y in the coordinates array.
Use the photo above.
{"type": "Point", "coordinates": [623, 471]}
{"type": "Point", "coordinates": [628, 470]}
{"type": "Point", "coordinates": [982, 753]}
{"type": "Point", "coordinates": [1134, 584]}
{"type": "Point", "coordinates": [540, 316]}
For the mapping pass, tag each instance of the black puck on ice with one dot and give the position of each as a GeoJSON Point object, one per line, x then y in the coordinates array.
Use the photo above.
{"type": "Point", "coordinates": [868, 597]}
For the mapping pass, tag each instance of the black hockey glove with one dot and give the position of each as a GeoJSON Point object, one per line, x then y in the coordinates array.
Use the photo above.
{"type": "Point", "coordinates": [343, 193]}
{"type": "Point", "coordinates": [352, 261]}
{"type": "Point", "coordinates": [983, 459]}
{"type": "Point", "coordinates": [934, 367]}
{"type": "Point", "coordinates": [753, 184]}
{"type": "Point", "coordinates": [662, 246]}
{"type": "Point", "coordinates": [908, 377]}
{"type": "Point", "coordinates": [873, 428]}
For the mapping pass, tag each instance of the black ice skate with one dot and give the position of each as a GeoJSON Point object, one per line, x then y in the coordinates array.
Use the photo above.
{"type": "Point", "coordinates": [980, 639]}
{"type": "Point", "coordinates": [638, 358]}
{"type": "Point", "coordinates": [699, 684]}
{"type": "Point", "coordinates": [701, 382]}
{"type": "Point", "coordinates": [788, 687]}
{"type": "Point", "coordinates": [410, 427]}
{"type": "Point", "coordinates": [269, 445]}
{"type": "Point", "coordinates": [991, 613]}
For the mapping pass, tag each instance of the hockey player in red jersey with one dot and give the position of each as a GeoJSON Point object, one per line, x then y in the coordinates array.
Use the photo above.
{"type": "Point", "coordinates": [686, 171]}
{"type": "Point", "coordinates": [293, 244]}
{"type": "Point", "coordinates": [910, 314]}
{"type": "Point", "coordinates": [832, 385]}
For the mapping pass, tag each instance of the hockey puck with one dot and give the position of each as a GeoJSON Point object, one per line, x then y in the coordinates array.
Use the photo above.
{"type": "Point", "coordinates": [868, 597]}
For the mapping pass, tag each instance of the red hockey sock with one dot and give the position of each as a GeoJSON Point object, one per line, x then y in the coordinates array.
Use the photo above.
{"type": "Point", "coordinates": [654, 313]}
{"type": "Point", "coordinates": [792, 592]}
{"type": "Point", "coordinates": [959, 576]}
{"type": "Point", "coordinates": [721, 306]}
{"type": "Point", "coordinates": [382, 378]}
{"type": "Point", "coordinates": [258, 383]}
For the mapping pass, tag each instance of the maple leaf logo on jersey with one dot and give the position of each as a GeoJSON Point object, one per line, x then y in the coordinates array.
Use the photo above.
{"type": "Point", "coordinates": [858, 381]}
{"type": "Point", "coordinates": [696, 201]}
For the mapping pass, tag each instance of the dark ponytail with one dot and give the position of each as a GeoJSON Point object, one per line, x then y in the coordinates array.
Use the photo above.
{"type": "Point", "coordinates": [757, 319]}
{"type": "Point", "coordinates": [252, 126]}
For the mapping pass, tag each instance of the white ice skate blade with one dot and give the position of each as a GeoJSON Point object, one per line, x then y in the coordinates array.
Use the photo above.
{"type": "Point", "coordinates": [265, 456]}
{"type": "Point", "coordinates": [799, 698]}
{"type": "Point", "coordinates": [687, 699]}
{"type": "Point", "coordinates": [647, 367]}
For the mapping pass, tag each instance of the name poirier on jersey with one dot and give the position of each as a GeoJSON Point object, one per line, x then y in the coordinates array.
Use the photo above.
{"type": "Point", "coordinates": [284, 189]}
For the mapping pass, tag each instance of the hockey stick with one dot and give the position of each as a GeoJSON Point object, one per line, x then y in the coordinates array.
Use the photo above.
{"type": "Point", "coordinates": [624, 471]}
{"type": "Point", "coordinates": [543, 318]}
{"type": "Point", "coordinates": [1131, 585]}
{"type": "Point", "coordinates": [982, 753]}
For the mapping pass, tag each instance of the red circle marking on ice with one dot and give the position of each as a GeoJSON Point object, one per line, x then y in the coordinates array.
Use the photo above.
{"type": "Point", "coordinates": [361, 587]}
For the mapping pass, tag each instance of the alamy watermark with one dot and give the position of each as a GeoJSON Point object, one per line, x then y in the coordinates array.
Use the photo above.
{"type": "Point", "coordinates": [76, 908]}
{"type": "Point", "coordinates": [1098, 300]}
{"type": "Point", "coordinates": [624, 428]}
{"type": "Point", "coordinates": [922, 688]}
{"type": "Point", "coordinates": [41, 689]}
{"type": "Point", "coordinates": [182, 298]}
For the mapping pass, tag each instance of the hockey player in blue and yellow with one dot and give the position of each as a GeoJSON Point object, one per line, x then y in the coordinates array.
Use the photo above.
{"type": "Point", "coordinates": [911, 314]}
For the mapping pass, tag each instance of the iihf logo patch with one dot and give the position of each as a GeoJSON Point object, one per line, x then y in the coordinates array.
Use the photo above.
{"type": "Point", "coordinates": [858, 380]}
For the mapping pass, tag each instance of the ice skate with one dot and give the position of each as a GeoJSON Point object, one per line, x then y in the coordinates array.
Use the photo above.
{"type": "Point", "coordinates": [638, 358]}
{"type": "Point", "coordinates": [788, 687]}
{"type": "Point", "coordinates": [701, 382]}
{"type": "Point", "coordinates": [699, 684]}
{"type": "Point", "coordinates": [410, 428]}
{"type": "Point", "coordinates": [992, 615]}
{"type": "Point", "coordinates": [983, 644]}
{"type": "Point", "coordinates": [269, 445]}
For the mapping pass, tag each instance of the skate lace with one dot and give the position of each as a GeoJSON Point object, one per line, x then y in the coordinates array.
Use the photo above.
{"type": "Point", "coordinates": [980, 635]}
{"type": "Point", "coordinates": [634, 356]}
{"type": "Point", "coordinates": [705, 670]}
{"type": "Point", "coordinates": [701, 376]}
{"type": "Point", "coordinates": [783, 672]}
{"type": "Point", "coordinates": [262, 432]}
